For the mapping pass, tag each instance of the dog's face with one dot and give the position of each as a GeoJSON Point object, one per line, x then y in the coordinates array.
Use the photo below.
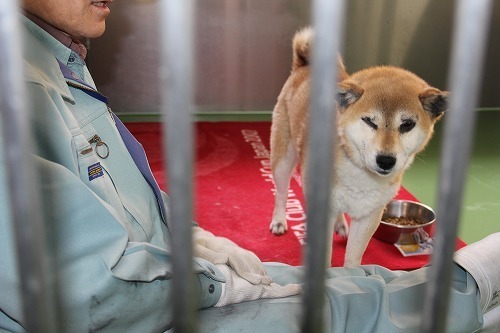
{"type": "Point", "coordinates": [386, 116]}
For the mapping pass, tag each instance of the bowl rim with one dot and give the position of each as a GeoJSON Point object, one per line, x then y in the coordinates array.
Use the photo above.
{"type": "Point", "coordinates": [410, 226]}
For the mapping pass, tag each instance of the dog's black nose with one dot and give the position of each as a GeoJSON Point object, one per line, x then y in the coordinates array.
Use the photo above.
{"type": "Point", "coordinates": [386, 162]}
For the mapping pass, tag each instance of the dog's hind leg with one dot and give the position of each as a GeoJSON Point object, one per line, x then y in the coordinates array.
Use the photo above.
{"type": "Point", "coordinates": [337, 225]}
{"type": "Point", "coordinates": [341, 227]}
{"type": "Point", "coordinates": [283, 161]}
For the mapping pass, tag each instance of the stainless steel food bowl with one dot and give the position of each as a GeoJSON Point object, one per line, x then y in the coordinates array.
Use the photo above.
{"type": "Point", "coordinates": [395, 233]}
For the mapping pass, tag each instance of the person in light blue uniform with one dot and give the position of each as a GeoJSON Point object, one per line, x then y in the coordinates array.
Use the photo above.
{"type": "Point", "coordinates": [109, 223]}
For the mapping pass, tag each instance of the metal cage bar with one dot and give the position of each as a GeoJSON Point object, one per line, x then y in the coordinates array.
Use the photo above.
{"type": "Point", "coordinates": [177, 109]}
{"type": "Point", "coordinates": [328, 20]}
{"type": "Point", "coordinates": [27, 222]}
{"type": "Point", "coordinates": [177, 74]}
{"type": "Point", "coordinates": [469, 44]}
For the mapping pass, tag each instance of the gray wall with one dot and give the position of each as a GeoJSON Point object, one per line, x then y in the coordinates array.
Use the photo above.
{"type": "Point", "coordinates": [243, 49]}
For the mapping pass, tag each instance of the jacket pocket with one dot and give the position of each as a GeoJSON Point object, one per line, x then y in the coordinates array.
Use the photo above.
{"type": "Point", "coordinates": [93, 173]}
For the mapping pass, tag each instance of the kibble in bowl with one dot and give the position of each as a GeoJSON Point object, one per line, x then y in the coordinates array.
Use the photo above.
{"type": "Point", "coordinates": [402, 218]}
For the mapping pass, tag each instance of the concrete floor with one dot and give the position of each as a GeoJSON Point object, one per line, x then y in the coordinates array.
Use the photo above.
{"type": "Point", "coordinates": [480, 214]}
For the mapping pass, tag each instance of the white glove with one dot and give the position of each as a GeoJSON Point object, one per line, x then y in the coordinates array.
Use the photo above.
{"type": "Point", "coordinates": [237, 289]}
{"type": "Point", "coordinates": [481, 260]}
{"type": "Point", "coordinates": [220, 250]}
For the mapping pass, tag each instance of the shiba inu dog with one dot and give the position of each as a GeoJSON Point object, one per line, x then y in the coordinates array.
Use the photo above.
{"type": "Point", "coordinates": [385, 116]}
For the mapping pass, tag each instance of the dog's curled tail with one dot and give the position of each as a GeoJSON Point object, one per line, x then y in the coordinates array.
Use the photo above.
{"type": "Point", "coordinates": [301, 47]}
{"type": "Point", "coordinates": [302, 42]}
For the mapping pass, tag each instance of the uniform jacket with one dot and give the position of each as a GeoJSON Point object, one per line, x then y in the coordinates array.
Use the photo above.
{"type": "Point", "coordinates": [111, 248]}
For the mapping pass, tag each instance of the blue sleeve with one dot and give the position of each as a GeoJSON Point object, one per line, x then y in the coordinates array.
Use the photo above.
{"type": "Point", "coordinates": [363, 299]}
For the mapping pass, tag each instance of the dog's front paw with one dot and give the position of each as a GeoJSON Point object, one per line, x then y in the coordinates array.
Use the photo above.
{"type": "Point", "coordinates": [341, 227]}
{"type": "Point", "coordinates": [278, 228]}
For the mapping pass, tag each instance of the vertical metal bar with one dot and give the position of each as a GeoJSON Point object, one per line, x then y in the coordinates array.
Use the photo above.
{"type": "Point", "coordinates": [177, 73]}
{"type": "Point", "coordinates": [469, 41]}
{"type": "Point", "coordinates": [27, 221]}
{"type": "Point", "coordinates": [328, 19]}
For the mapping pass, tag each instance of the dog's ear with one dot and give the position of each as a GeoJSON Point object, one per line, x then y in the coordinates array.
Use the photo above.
{"type": "Point", "coordinates": [342, 72]}
{"type": "Point", "coordinates": [434, 101]}
{"type": "Point", "coordinates": [348, 93]}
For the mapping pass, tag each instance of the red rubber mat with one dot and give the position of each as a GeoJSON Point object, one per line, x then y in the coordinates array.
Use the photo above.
{"type": "Point", "coordinates": [234, 198]}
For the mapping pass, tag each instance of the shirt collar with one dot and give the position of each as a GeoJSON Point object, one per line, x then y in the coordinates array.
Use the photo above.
{"type": "Point", "coordinates": [70, 42]}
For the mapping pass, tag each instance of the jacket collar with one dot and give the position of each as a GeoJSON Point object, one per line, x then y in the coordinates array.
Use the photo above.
{"type": "Point", "coordinates": [42, 52]}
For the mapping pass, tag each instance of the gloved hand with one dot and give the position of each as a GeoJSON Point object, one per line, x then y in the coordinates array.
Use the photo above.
{"type": "Point", "coordinates": [480, 259]}
{"type": "Point", "coordinates": [237, 289]}
{"type": "Point", "coordinates": [220, 250]}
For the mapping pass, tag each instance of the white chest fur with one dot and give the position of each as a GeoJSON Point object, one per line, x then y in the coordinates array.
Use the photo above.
{"type": "Point", "coordinates": [359, 192]}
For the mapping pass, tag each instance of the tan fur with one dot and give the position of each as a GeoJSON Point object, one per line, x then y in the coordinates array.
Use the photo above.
{"type": "Point", "coordinates": [385, 116]}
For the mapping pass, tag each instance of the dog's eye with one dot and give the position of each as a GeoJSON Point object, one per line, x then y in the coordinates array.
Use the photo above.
{"type": "Point", "coordinates": [407, 126]}
{"type": "Point", "coordinates": [369, 122]}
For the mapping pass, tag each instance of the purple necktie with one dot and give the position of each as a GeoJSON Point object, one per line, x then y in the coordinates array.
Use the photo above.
{"type": "Point", "coordinates": [139, 156]}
